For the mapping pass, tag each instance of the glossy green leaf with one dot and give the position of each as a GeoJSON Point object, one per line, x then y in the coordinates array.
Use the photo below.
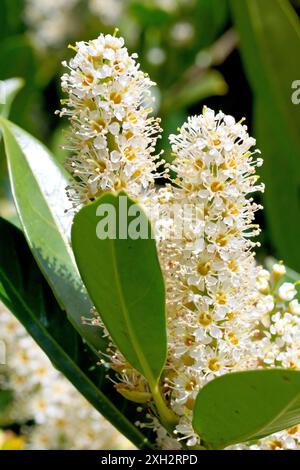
{"type": "Point", "coordinates": [281, 197]}
{"type": "Point", "coordinates": [9, 89]}
{"type": "Point", "coordinates": [124, 279]}
{"type": "Point", "coordinates": [244, 406]}
{"type": "Point", "coordinates": [212, 16]}
{"type": "Point", "coordinates": [270, 40]}
{"type": "Point", "coordinates": [38, 185]}
{"type": "Point", "coordinates": [25, 292]}
{"type": "Point", "coordinates": [6, 399]}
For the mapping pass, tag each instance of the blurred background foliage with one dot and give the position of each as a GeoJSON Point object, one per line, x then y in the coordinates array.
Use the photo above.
{"type": "Point", "coordinates": [241, 56]}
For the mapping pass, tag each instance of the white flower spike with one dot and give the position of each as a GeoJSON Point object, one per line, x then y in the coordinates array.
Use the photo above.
{"type": "Point", "coordinates": [112, 136]}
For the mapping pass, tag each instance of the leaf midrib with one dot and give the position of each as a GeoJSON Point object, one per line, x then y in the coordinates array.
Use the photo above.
{"type": "Point", "coordinates": [138, 351]}
{"type": "Point", "coordinates": [52, 221]}
{"type": "Point", "coordinates": [259, 431]}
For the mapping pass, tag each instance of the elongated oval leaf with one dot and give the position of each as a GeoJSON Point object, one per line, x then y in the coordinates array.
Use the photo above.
{"type": "Point", "coordinates": [25, 292]}
{"type": "Point", "coordinates": [124, 279]}
{"type": "Point", "coordinates": [38, 185]}
{"type": "Point", "coordinates": [248, 405]}
{"type": "Point", "coordinates": [270, 40]}
{"type": "Point", "coordinates": [8, 91]}
{"type": "Point", "coordinates": [6, 399]}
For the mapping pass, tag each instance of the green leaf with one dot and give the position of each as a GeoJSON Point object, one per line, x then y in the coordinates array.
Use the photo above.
{"type": "Point", "coordinates": [124, 280]}
{"type": "Point", "coordinates": [244, 406]}
{"type": "Point", "coordinates": [6, 405]}
{"type": "Point", "coordinates": [282, 187]}
{"type": "Point", "coordinates": [195, 90]}
{"type": "Point", "coordinates": [6, 399]}
{"type": "Point", "coordinates": [18, 59]}
{"type": "Point", "coordinates": [25, 292]}
{"type": "Point", "coordinates": [270, 39]}
{"type": "Point", "coordinates": [9, 89]}
{"type": "Point", "coordinates": [11, 17]}
{"type": "Point", "coordinates": [38, 185]}
{"type": "Point", "coordinates": [211, 18]}
{"type": "Point", "coordinates": [148, 15]}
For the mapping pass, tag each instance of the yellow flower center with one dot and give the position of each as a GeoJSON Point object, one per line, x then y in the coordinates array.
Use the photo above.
{"type": "Point", "coordinates": [118, 184]}
{"type": "Point", "coordinates": [233, 339]}
{"type": "Point", "coordinates": [98, 125]}
{"type": "Point", "coordinates": [188, 360]}
{"type": "Point", "coordinates": [222, 240]}
{"type": "Point", "coordinates": [198, 164]}
{"type": "Point", "coordinates": [88, 79]}
{"type": "Point", "coordinates": [204, 268]}
{"type": "Point", "coordinates": [205, 319]}
{"type": "Point", "coordinates": [214, 364]}
{"type": "Point", "coordinates": [221, 298]}
{"type": "Point", "coordinates": [190, 385]}
{"type": "Point", "coordinates": [217, 186]}
{"type": "Point", "coordinates": [115, 97]}
{"type": "Point", "coordinates": [189, 340]}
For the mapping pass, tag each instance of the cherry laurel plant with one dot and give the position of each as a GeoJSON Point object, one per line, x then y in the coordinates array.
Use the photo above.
{"type": "Point", "coordinates": [224, 312]}
{"type": "Point", "coordinates": [184, 341]}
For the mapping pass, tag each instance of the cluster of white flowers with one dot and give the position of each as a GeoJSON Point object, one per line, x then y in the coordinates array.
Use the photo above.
{"type": "Point", "coordinates": [113, 136]}
{"type": "Point", "coordinates": [109, 11]}
{"type": "Point", "coordinates": [53, 23]}
{"type": "Point", "coordinates": [62, 418]}
{"type": "Point", "coordinates": [210, 273]}
{"type": "Point", "coordinates": [49, 22]}
{"type": "Point", "coordinates": [224, 312]}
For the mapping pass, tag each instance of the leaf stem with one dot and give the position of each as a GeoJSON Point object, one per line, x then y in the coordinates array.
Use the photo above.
{"type": "Point", "coordinates": [167, 416]}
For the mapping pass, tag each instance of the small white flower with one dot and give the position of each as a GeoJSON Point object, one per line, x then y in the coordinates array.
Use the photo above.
{"type": "Point", "coordinates": [278, 270]}
{"type": "Point", "coordinates": [264, 273]}
{"type": "Point", "coordinates": [263, 285]}
{"type": "Point", "coordinates": [287, 291]}
{"type": "Point", "coordinates": [294, 307]}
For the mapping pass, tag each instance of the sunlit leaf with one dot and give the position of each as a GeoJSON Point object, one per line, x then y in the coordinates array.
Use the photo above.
{"type": "Point", "coordinates": [244, 406]}
{"type": "Point", "coordinates": [124, 280]}
{"type": "Point", "coordinates": [38, 185]}
{"type": "Point", "coordinates": [8, 91]}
